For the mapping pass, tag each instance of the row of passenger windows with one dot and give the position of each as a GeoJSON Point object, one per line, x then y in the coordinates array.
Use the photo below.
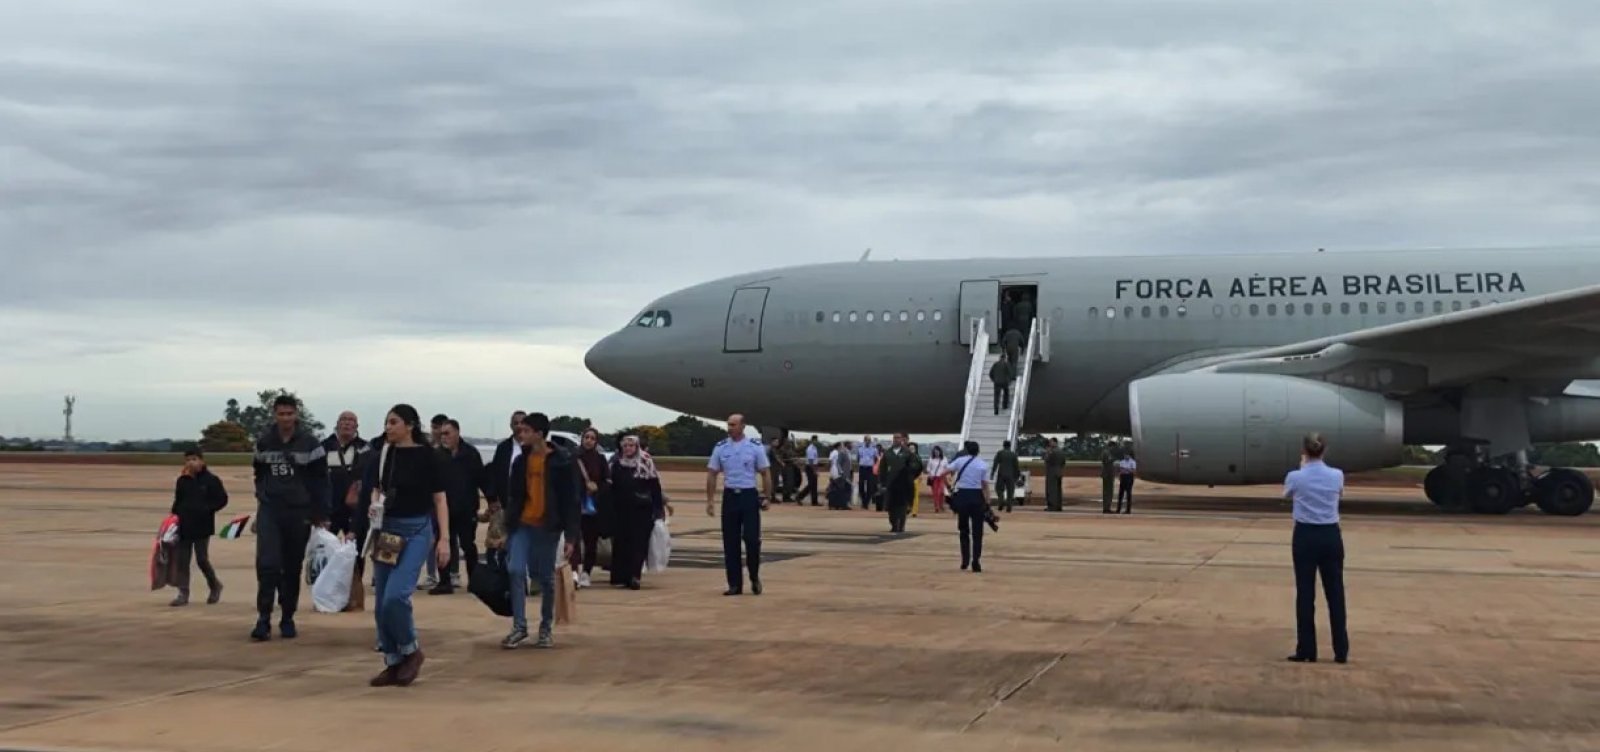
{"type": "Point", "coordinates": [1288, 309]}
{"type": "Point", "coordinates": [874, 316]}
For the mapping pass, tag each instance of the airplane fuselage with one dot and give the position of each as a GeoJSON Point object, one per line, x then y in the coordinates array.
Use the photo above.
{"type": "Point", "coordinates": [808, 348]}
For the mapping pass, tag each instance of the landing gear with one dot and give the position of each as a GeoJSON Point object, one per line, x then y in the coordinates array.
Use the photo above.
{"type": "Point", "coordinates": [1565, 492]}
{"type": "Point", "coordinates": [1495, 490]}
{"type": "Point", "coordinates": [1492, 489]}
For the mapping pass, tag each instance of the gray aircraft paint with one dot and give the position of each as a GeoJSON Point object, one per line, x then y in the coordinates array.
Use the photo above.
{"type": "Point", "coordinates": [790, 369]}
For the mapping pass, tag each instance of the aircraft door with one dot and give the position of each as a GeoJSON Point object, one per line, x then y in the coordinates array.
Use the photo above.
{"type": "Point", "coordinates": [979, 299]}
{"type": "Point", "coordinates": [745, 311]}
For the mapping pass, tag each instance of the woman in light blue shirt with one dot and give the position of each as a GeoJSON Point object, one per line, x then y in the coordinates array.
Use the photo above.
{"type": "Point", "coordinates": [1318, 546]}
{"type": "Point", "coordinates": [969, 476]}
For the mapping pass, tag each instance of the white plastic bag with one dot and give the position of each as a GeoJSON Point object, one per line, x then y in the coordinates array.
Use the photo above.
{"type": "Point", "coordinates": [660, 549]}
{"type": "Point", "coordinates": [317, 549]}
{"type": "Point", "coordinates": [331, 592]}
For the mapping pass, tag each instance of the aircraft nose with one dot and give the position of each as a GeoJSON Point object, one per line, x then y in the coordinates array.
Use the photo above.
{"type": "Point", "coordinates": [604, 360]}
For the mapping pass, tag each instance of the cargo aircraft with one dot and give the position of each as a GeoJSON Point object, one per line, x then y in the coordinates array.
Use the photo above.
{"type": "Point", "coordinates": [1215, 365]}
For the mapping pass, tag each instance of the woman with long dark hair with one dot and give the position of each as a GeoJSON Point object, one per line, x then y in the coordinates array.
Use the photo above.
{"type": "Point", "coordinates": [597, 513]}
{"type": "Point", "coordinates": [638, 502]}
{"type": "Point", "coordinates": [937, 466]}
{"type": "Point", "coordinates": [407, 502]}
{"type": "Point", "coordinates": [970, 478]}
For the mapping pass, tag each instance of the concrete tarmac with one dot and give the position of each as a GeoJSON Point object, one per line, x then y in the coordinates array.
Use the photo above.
{"type": "Point", "coordinates": [1161, 630]}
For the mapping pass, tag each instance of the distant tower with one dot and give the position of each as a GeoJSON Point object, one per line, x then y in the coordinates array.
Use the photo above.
{"type": "Point", "coordinates": [70, 400]}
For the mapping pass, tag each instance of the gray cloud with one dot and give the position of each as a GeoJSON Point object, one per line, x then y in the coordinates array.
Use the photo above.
{"type": "Point", "coordinates": [507, 170]}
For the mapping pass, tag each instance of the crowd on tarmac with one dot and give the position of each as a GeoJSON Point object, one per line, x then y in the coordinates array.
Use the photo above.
{"type": "Point", "coordinates": [412, 500]}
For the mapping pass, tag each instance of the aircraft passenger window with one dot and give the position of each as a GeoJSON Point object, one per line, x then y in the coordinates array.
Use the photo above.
{"type": "Point", "coordinates": [886, 317]}
{"type": "Point", "coordinates": [1164, 311]}
{"type": "Point", "coordinates": [922, 315]}
{"type": "Point", "coordinates": [905, 316]}
{"type": "Point", "coordinates": [1344, 308]}
{"type": "Point", "coordinates": [646, 319]}
{"type": "Point", "coordinates": [1400, 307]}
{"type": "Point", "coordinates": [819, 317]}
{"type": "Point", "coordinates": [938, 315]}
{"type": "Point", "coordinates": [1184, 311]}
{"type": "Point", "coordinates": [1272, 309]}
{"type": "Point", "coordinates": [1438, 306]}
{"type": "Point", "coordinates": [1111, 313]}
{"type": "Point", "coordinates": [1127, 312]}
{"type": "Point", "coordinates": [1455, 305]}
{"type": "Point", "coordinates": [1327, 309]}
{"type": "Point", "coordinates": [1475, 304]}
{"type": "Point", "coordinates": [852, 317]}
{"type": "Point", "coordinates": [1417, 307]}
{"type": "Point", "coordinates": [1255, 309]}
{"type": "Point", "coordinates": [869, 317]}
{"type": "Point", "coordinates": [1145, 312]}
{"type": "Point", "coordinates": [836, 317]}
{"type": "Point", "coordinates": [1094, 312]}
{"type": "Point", "coordinates": [1363, 309]}
{"type": "Point", "coordinates": [663, 319]}
{"type": "Point", "coordinates": [1383, 308]}
{"type": "Point", "coordinates": [1236, 310]}
{"type": "Point", "coordinates": [1288, 309]}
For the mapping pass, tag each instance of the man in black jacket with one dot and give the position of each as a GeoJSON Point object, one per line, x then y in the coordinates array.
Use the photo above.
{"type": "Point", "coordinates": [345, 450]}
{"type": "Point", "coordinates": [466, 479]}
{"type": "Point", "coordinates": [541, 504]}
{"type": "Point", "coordinates": [196, 500]}
{"type": "Point", "coordinates": [291, 479]}
{"type": "Point", "coordinates": [500, 467]}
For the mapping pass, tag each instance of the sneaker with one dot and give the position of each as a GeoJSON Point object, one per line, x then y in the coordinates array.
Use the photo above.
{"type": "Point", "coordinates": [515, 639]}
{"type": "Point", "coordinates": [428, 583]}
{"type": "Point", "coordinates": [215, 595]}
{"type": "Point", "coordinates": [286, 628]}
{"type": "Point", "coordinates": [262, 632]}
{"type": "Point", "coordinates": [583, 580]}
{"type": "Point", "coordinates": [546, 640]}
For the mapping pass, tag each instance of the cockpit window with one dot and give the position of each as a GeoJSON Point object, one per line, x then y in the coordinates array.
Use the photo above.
{"type": "Point", "coordinates": [654, 319]}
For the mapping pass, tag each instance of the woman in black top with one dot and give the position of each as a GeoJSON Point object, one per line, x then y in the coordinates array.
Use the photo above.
{"type": "Point", "coordinates": [408, 501]}
{"type": "Point", "coordinates": [638, 502]}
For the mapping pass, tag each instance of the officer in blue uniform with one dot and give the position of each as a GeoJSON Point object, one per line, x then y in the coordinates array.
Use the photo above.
{"type": "Point", "coordinates": [740, 460]}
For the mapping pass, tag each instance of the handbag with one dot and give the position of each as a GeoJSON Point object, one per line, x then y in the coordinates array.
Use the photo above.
{"type": "Point", "coordinates": [386, 546]}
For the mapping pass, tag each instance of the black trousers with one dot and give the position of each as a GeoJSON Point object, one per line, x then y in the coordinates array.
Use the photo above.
{"type": "Point", "coordinates": [1318, 549]}
{"type": "Point", "coordinates": [584, 556]}
{"type": "Point", "coordinates": [1125, 491]}
{"type": "Point", "coordinates": [200, 550]}
{"type": "Point", "coordinates": [463, 542]}
{"type": "Point", "coordinates": [968, 506]}
{"type": "Point", "coordinates": [867, 486]}
{"type": "Point", "coordinates": [1002, 397]}
{"type": "Point", "coordinates": [631, 543]}
{"type": "Point", "coordinates": [1006, 489]}
{"type": "Point", "coordinates": [741, 522]}
{"type": "Point", "coordinates": [811, 485]}
{"type": "Point", "coordinates": [281, 537]}
{"type": "Point", "coordinates": [899, 506]}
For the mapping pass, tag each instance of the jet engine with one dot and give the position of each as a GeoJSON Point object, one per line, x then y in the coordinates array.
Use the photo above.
{"type": "Point", "coordinates": [1234, 429]}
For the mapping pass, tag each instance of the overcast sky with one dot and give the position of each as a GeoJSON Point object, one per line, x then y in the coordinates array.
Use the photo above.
{"type": "Point", "coordinates": [448, 202]}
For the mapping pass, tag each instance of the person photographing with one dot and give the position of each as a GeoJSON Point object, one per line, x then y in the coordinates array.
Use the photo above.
{"type": "Point", "coordinates": [1318, 547]}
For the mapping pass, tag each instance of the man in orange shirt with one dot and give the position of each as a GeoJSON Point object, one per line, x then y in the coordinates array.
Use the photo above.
{"type": "Point", "coordinates": [541, 505]}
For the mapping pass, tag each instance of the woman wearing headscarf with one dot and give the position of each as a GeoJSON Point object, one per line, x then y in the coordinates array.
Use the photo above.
{"type": "Point", "coordinates": [637, 502]}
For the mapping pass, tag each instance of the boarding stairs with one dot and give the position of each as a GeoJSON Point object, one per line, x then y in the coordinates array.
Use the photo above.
{"type": "Point", "coordinates": [979, 422]}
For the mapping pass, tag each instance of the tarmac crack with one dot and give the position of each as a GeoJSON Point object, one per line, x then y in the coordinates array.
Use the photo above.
{"type": "Point", "coordinates": [1121, 619]}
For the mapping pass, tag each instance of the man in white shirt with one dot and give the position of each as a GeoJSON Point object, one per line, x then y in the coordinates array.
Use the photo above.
{"type": "Point", "coordinates": [1126, 467]}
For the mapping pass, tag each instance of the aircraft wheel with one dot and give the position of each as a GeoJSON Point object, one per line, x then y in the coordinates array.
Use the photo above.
{"type": "Point", "coordinates": [1436, 484]}
{"type": "Point", "coordinates": [1495, 490]}
{"type": "Point", "coordinates": [1565, 492]}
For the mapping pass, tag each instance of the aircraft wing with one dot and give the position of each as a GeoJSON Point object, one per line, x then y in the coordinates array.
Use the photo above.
{"type": "Point", "coordinates": [1551, 338]}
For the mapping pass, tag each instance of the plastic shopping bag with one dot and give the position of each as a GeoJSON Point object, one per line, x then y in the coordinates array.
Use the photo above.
{"type": "Point", "coordinates": [660, 549]}
{"type": "Point", "coordinates": [331, 591]}
{"type": "Point", "coordinates": [320, 546]}
{"type": "Point", "coordinates": [164, 556]}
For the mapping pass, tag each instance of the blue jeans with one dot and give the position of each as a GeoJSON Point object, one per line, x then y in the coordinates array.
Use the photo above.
{"type": "Point", "coordinates": [741, 521]}
{"type": "Point", "coordinates": [397, 630]}
{"type": "Point", "coordinates": [532, 549]}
